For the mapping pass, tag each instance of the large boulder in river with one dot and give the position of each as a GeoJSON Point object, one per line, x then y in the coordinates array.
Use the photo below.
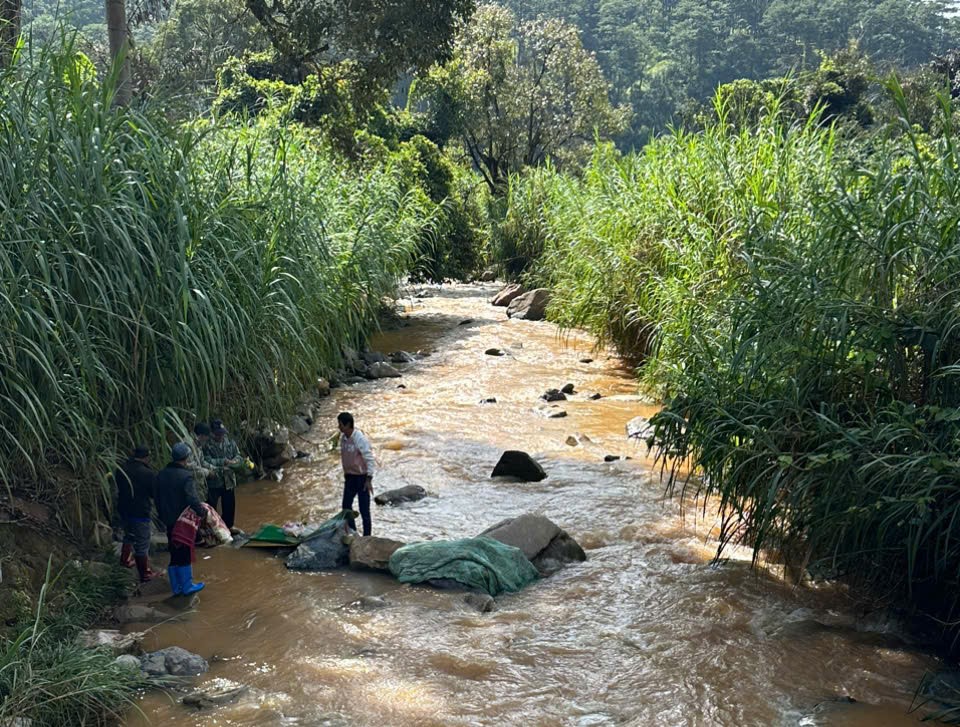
{"type": "Point", "coordinates": [518, 464]}
{"type": "Point", "coordinates": [542, 541]}
{"type": "Point", "coordinates": [410, 493]}
{"type": "Point", "coordinates": [324, 551]}
{"type": "Point", "coordinates": [371, 553]}
{"type": "Point", "coordinates": [507, 294]}
{"type": "Point", "coordinates": [530, 306]}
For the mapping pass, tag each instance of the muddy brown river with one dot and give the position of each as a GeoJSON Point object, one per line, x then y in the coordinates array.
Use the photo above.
{"type": "Point", "coordinates": [646, 632]}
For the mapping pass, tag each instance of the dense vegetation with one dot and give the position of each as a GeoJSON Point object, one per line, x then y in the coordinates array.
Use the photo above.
{"type": "Point", "coordinates": [664, 57]}
{"type": "Point", "coordinates": [152, 272]}
{"type": "Point", "coordinates": [784, 264]}
{"type": "Point", "coordinates": [796, 292]}
{"type": "Point", "coordinates": [46, 677]}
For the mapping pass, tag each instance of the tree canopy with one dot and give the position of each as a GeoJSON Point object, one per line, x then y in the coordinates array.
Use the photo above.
{"type": "Point", "coordinates": [518, 94]}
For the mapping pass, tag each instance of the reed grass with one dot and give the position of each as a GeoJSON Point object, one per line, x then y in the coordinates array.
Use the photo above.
{"type": "Point", "coordinates": [796, 297]}
{"type": "Point", "coordinates": [151, 272]}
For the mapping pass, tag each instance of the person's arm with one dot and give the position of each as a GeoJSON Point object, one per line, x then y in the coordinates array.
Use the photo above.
{"type": "Point", "coordinates": [193, 501]}
{"type": "Point", "coordinates": [233, 452]}
{"type": "Point", "coordinates": [214, 463]}
{"type": "Point", "coordinates": [363, 446]}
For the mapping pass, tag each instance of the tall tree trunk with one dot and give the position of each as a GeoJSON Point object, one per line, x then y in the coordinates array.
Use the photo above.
{"type": "Point", "coordinates": [119, 45]}
{"type": "Point", "coordinates": [9, 29]}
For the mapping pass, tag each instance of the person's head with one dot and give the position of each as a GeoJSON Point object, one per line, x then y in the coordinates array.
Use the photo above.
{"type": "Point", "coordinates": [345, 423]}
{"type": "Point", "coordinates": [141, 452]}
{"type": "Point", "coordinates": [180, 452]}
{"type": "Point", "coordinates": [202, 432]}
{"type": "Point", "coordinates": [217, 430]}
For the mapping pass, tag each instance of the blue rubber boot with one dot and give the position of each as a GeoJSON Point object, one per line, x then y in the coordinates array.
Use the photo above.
{"type": "Point", "coordinates": [174, 573]}
{"type": "Point", "coordinates": [187, 586]}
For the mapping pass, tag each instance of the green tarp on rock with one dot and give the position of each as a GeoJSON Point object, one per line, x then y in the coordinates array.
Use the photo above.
{"type": "Point", "coordinates": [481, 563]}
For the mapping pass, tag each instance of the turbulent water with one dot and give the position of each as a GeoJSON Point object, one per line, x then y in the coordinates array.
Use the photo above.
{"type": "Point", "coordinates": [646, 632]}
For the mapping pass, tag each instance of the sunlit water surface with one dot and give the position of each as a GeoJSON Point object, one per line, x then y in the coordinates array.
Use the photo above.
{"type": "Point", "coordinates": [646, 632]}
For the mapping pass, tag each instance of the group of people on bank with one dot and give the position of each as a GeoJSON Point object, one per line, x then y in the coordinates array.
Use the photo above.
{"type": "Point", "coordinates": [205, 469]}
{"type": "Point", "coordinates": [202, 468]}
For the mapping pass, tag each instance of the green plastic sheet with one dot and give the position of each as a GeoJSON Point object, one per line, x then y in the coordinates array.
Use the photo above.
{"type": "Point", "coordinates": [481, 563]}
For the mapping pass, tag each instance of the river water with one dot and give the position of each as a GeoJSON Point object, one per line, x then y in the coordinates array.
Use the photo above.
{"type": "Point", "coordinates": [646, 632]}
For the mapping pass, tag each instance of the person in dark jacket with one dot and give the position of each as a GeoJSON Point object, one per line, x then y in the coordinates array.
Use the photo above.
{"type": "Point", "coordinates": [135, 481]}
{"type": "Point", "coordinates": [176, 491]}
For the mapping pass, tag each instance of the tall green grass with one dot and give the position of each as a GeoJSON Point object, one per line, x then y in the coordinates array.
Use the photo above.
{"type": "Point", "coordinates": [46, 677]}
{"type": "Point", "coordinates": [153, 272]}
{"type": "Point", "coordinates": [797, 298]}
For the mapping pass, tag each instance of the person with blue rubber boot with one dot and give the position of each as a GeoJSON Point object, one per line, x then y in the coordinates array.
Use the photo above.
{"type": "Point", "coordinates": [176, 491]}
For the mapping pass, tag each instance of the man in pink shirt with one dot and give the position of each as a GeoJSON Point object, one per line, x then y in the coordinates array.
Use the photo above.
{"type": "Point", "coordinates": [358, 467]}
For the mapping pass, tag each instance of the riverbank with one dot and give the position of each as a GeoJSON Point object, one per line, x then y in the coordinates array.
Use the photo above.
{"type": "Point", "coordinates": [644, 632]}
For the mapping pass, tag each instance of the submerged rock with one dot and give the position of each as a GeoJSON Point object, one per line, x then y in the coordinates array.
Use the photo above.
{"type": "Point", "coordinates": [521, 465]}
{"type": "Point", "coordinates": [494, 352]}
{"type": "Point", "coordinates": [214, 696]}
{"type": "Point", "coordinates": [370, 553]}
{"type": "Point", "coordinates": [402, 357]}
{"type": "Point", "coordinates": [482, 602]}
{"type": "Point", "coordinates": [173, 661]}
{"type": "Point", "coordinates": [139, 613]}
{"type": "Point", "coordinates": [530, 306]}
{"type": "Point", "coordinates": [568, 389]}
{"type": "Point", "coordinates": [410, 493]}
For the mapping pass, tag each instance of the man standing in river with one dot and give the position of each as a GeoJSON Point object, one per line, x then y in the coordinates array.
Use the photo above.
{"type": "Point", "coordinates": [358, 467]}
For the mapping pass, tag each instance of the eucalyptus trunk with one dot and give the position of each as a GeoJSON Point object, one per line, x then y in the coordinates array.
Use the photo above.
{"type": "Point", "coordinates": [117, 31]}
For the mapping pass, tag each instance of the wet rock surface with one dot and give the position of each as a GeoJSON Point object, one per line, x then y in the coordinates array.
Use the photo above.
{"type": "Point", "coordinates": [410, 493]}
{"type": "Point", "coordinates": [514, 463]}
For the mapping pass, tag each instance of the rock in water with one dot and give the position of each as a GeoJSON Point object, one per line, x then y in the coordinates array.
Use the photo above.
{"type": "Point", "coordinates": [214, 696]}
{"type": "Point", "coordinates": [173, 661]}
{"type": "Point", "coordinates": [322, 552]}
{"type": "Point", "coordinates": [382, 370]}
{"type": "Point", "coordinates": [402, 357]}
{"type": "Point", "coordinates": [530, 533]}
{"type": "Point", "coordinates": [373, 553]}
{"type": "Point", "coordinates": [507, 295]}
{"type": "Point", "coordinates": [639, 428]}
{"type": "Point", "coordinates": [530, 306]}
{"type": "Point", "coordinates": [488, 276]}
{"type": "Point", "coordinates": [553, 395]}
{"type": "Point", "coordinates": [128, 661]}
{"type": "Point", "coordinates": [482, 602]}
{"type": "Point", "coordinates": [521, 465]}
{"type": "Point", "coordinates": [542, 541]}
{"type": "Point", "coordinates": [567, 389]}
{"type": "Point", "coordinates": [410, 493]}
{"type": "Point", "coordinates": [562, 550]}
{"type": "Point", "coordinates": [494, 352]}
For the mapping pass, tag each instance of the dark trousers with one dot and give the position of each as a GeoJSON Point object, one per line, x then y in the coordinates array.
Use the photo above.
{"type": "Point", "coordinates": [179, 554]}
{"type": "Point", "coordinates": [229, 503]}
{"type": "Point", "coordinates": [356, 486]}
